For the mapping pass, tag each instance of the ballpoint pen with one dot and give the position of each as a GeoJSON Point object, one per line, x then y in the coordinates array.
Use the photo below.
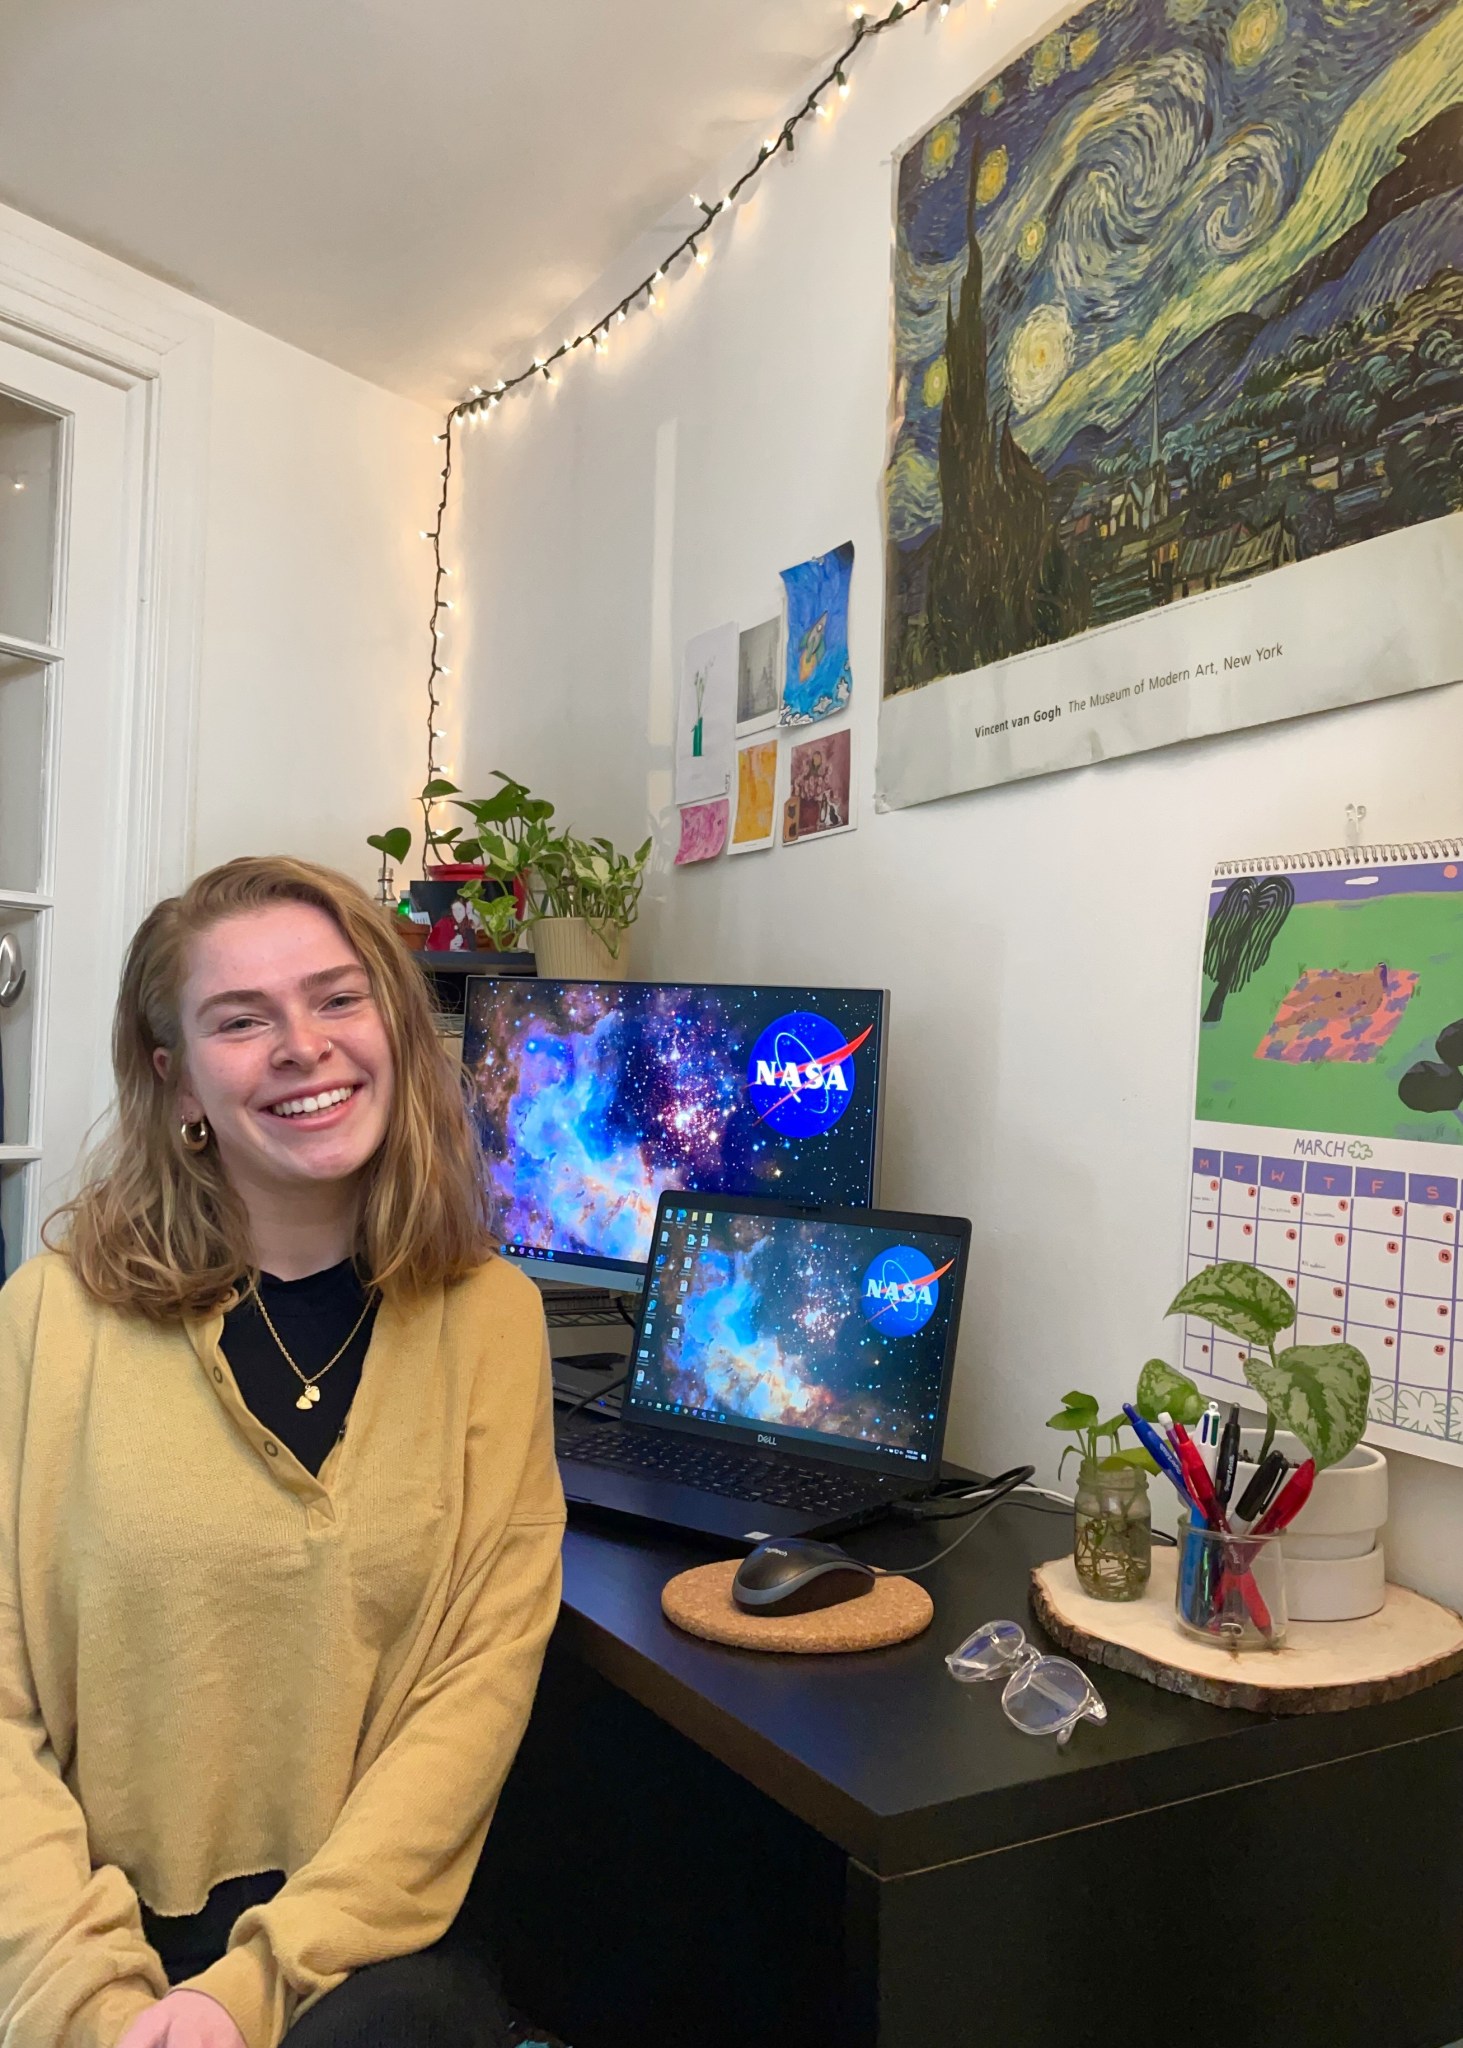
{"type": "Point", "coordinates": [1160, 1453]}
{"type": "Point", "coordinates": [1208, 1437]}
{"type": "Point", "coordinates": [1227, 1462]}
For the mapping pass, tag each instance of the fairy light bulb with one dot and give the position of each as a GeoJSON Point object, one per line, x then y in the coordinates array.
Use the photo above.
{"type": "Point", "coordinates": [703, 257]}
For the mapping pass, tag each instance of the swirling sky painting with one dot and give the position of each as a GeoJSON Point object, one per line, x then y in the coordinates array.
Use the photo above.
{"type": "Point", "coordinates": [1178, 303]}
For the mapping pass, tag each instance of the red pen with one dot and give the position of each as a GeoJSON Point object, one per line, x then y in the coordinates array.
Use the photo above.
{"type": "Point", "coordinates": [1196, 1475]}
{"type": "Point", "coordinates": [1288, 1503]}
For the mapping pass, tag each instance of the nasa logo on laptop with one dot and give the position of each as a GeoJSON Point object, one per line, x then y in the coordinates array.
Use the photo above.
{"type": "Point", "coordinates": [900, 1289]}
{"type": "Point", "coordinates": [801, 1074]}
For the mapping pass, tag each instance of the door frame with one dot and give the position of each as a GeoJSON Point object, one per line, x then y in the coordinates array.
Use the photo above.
{"type": "Point", "coordinates": [61, 299]}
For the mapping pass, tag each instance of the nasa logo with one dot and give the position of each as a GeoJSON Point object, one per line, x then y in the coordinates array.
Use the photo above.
{"type": "Point", "coordinates": [900, 1289]}
{"type": "Point", "coordinates": [801, 1074]}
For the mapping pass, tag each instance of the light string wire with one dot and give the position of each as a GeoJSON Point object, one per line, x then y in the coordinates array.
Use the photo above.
{"type": "Point", "coordinates": [480, 401]}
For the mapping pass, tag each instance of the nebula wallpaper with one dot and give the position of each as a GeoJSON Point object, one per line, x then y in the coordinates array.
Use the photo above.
{"type": "Point", "coordinates": [1178, 302]}
{"type": "Point", "coordinates": [768, 1320]}
{"type": "Point", "coordinates": [590, 1097]}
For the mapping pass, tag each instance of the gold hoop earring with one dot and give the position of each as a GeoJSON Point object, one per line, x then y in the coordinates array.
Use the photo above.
{"type": "Point", "coordinates": [194, 1137]}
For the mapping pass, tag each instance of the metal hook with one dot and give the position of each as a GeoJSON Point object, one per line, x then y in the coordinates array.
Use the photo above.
{"type": "Point", "coordinates": [12, 974]}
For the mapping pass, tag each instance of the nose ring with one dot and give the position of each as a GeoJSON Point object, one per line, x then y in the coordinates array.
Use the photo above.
{"type": "Point", "coordinates": [329, 1049]}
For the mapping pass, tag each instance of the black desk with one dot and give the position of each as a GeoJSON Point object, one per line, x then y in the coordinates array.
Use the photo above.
{"type": "Point", "coordinates": [703, 1846]}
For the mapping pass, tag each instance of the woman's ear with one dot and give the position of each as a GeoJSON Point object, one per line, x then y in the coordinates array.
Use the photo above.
{"type": "Point", "coordinates": [190, 1109]}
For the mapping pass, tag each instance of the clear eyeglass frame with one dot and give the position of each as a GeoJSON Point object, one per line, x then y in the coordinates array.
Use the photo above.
{"type": "Point", "coordinates": [1042, 1695]}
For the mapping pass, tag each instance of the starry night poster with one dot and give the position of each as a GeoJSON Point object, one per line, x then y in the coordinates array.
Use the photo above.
{"type": "Point", "coordinates": [1178, 323]}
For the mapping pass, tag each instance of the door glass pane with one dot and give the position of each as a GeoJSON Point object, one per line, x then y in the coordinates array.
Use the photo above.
{"type": "Point", "coordinates": [13, 1182]}
{"type": "Point", "coordinates": [22, 772]}
{"type": "Point", "coordinates": [30, 470]}
{"type": "Point", "coordinates": [17, 1032]}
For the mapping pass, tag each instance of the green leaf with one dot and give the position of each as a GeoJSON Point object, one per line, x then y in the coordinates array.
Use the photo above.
{"type": "Point", "coordinates": [1111, 1427]}
{"type": "Point", "coordinates": [1162, 1391]}
{"type": "Point", "coordinates": [439, 787]}
{"type": "Point", "coordinates": [1084, 1404]}
{"type": "Point", "coordinates": [1069, 1418]}
{"type": "Point", "coordinates": [1237, 1298]}
{"type": "Point", "coordinates": [1136, 1455]}
{"type": "Point", "coordinates": [1319, 1393]}
{"type": "Point", "coordinates": [395, 844]}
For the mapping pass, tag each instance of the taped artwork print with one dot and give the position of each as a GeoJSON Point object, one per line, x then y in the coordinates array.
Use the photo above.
{"type": "Point", "coordinates": [1178, 319]}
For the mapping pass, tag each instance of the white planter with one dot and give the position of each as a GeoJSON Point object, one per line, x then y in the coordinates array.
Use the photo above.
{"type": "Point", "coordinates": [1335, 1565]}
{"type": "Point", "coordinates": [568, 949]}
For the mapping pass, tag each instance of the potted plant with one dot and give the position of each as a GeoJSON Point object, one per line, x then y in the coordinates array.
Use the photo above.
{"type": "Point", "coordinates": [577, 897]}
{"type": "Point", "coordinates": [1315, 1396]}
{"type": "Point", "coordinates": [1112, 1539]}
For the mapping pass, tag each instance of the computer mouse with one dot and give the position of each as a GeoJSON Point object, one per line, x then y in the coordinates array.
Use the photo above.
{"type": "Point", "coordinates": [795, 1574]}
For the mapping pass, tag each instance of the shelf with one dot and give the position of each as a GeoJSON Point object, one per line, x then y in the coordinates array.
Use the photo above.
{"type": "Point", "coordinates": [18, 1155]}
{"type": "Point", "coordinates": [23, 899]}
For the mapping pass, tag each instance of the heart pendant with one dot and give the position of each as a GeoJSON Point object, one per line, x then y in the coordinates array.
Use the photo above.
{"type": "Point", "coordinates": [304, 1400]}
{"type": "Point", "coordinates": [312, 1395]}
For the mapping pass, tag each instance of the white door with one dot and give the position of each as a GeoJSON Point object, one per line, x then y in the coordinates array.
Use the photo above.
{"type": "Point", "coordinates": [70, 519]}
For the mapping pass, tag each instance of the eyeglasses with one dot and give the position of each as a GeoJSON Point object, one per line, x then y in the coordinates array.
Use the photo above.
{"type": "Point", "coordinates": [1042, 1695]}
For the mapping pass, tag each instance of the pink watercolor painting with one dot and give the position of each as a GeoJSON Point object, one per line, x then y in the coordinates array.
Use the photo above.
{"type": "Point", "coordinates": [1332, 1014]}
{"type": "Point", "coordinates": [703, 831]}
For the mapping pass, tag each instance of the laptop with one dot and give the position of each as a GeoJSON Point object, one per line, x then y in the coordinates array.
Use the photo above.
{"type": "Point", "coordinates": [790, 1373]}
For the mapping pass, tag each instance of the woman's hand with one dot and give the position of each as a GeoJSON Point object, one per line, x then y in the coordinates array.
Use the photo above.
{"type": "Point", "coordinates": [184, 2019]}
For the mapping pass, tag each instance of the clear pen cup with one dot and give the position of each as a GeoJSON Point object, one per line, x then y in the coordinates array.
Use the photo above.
{"type": "Point", "coordinates": [1230, 1590]}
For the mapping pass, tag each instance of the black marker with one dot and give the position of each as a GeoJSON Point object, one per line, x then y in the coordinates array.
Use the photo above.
{"type": "Point", "coordinates": [1262, 1489]}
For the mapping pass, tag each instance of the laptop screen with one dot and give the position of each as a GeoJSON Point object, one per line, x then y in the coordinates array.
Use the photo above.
{"type": "Point", "coordinates": [829, 1331]}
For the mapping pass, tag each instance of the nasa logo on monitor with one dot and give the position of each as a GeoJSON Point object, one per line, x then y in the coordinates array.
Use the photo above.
{"type": "Point", "coordinates": [801, 1074]}
{"type": "Point", "coordinates": [899, 1290]}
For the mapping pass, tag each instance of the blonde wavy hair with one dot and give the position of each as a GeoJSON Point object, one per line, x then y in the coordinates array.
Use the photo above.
{"type": "Point", "coordinates": [158, 1230]}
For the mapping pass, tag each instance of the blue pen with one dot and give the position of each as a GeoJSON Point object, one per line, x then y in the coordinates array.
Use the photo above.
{"type": "Point", "coordinates": [1168, 1465]}
{"type": "Point", "coordinates": [1161, 1455]}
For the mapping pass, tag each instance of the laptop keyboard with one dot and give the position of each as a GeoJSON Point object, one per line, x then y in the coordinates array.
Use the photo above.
{"type": "Point", "coordinates": [784, 1482]}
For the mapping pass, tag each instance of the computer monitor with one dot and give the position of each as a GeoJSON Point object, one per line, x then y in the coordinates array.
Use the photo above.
{"type": "Point", "coordinates": [591, 1097]}
{"type": "Point", "coordinates": [825, 1328]}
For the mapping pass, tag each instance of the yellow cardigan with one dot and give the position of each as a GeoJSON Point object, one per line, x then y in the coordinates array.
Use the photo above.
{"type": "Point", "coordinates": [213, 1664]}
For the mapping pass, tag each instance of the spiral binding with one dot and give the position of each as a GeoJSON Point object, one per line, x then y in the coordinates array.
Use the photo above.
{"type": "Point", "coordinates": [1391, 855]}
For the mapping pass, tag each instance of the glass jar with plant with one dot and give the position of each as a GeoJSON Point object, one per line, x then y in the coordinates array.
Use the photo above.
{"type": "Point", "coordinates": [1112, 1536]}
{"type": "Point", "coordinates": [393, 845]}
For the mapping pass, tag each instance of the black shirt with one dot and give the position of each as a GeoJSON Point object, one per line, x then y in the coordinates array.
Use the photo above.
{"type": "Point", "coordinates": [314, 1317]}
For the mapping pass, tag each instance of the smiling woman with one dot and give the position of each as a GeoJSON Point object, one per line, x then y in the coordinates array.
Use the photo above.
{"type": "Point", "coordinates": [260, 1685]}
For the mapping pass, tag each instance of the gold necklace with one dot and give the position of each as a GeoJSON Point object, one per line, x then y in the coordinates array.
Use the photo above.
{"type": "Point", "coordinates": [308, 1380]}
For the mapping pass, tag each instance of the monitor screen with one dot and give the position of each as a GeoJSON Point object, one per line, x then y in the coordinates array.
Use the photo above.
{"type": "Point", "coordinates": [590, 1097]}
{"type": "Point", "coordinates": [805, 1330]}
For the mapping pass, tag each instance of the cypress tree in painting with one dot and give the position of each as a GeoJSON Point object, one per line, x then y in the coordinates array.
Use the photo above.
{"type": "Point", "coordinates": [1000, 581]}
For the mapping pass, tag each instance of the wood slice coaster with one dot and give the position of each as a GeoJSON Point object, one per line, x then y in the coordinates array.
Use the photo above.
{"type": "Point", "coordinates": [700, 1601]}
{"type": "Point", "coordinates": [1322, 1667]}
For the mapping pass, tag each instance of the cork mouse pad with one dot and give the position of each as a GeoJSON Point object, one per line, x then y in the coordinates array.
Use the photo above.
{"type": "Point", "coordinates": [700, 1601]}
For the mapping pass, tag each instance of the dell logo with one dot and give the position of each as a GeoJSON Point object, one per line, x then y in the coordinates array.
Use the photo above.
{"type": "Point", "coordinates": [767, 1440]}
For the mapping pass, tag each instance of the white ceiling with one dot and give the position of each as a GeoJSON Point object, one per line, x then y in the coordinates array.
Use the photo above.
{"type": "Point", "coordinates": [413, 189]}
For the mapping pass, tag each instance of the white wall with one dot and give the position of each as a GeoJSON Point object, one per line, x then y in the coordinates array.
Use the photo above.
{"type": "Point", "coordinates": [317, 592]}
{"type": "Point", "coordinates": [1041, 941]}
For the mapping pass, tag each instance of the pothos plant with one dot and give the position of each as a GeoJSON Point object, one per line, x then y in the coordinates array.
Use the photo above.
{"type": "Point", "coordinates": [1319, 1392]}
{"type": "Point", "coordinates": [1079, 1413]}
{"type": "Point", "coordinates": [545, 871]}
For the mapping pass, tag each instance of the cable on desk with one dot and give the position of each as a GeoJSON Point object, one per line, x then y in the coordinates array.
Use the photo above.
{"type": "Point", "coordinates": [595, 1393]}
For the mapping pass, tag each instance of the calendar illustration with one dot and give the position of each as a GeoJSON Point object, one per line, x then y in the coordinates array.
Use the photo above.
{"type": "Point", "coordinates": [1327, 1144]}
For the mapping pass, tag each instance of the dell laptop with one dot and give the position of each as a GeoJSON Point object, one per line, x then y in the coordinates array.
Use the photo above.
{"type": "Point", "coordinates": [790, 1372]}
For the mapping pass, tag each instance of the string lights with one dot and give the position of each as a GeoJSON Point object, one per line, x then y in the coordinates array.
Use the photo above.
{"type": "Point", "coordinates": [481, 403]}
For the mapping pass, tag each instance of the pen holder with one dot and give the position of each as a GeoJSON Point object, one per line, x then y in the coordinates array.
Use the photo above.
{"type": "Point", "coordinates": [1230, 1590]}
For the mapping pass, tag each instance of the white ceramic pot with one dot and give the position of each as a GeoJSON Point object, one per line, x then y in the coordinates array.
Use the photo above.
{"type": "Point", "coordinates": [1335, 1565]}
{"type": "Point", "coordinates": [569, 949]}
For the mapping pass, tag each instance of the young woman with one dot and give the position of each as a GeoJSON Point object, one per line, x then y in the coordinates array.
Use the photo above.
{"type": "Point", "coordinates": [279, 1515]}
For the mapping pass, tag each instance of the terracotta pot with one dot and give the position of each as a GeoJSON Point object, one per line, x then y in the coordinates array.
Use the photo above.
{"type": "Point", "coordinates": [568, 949]}
{"type": "Point", "coordinates": [413, 936]}
{"type": "Point", "coordinates": [455, 870]}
